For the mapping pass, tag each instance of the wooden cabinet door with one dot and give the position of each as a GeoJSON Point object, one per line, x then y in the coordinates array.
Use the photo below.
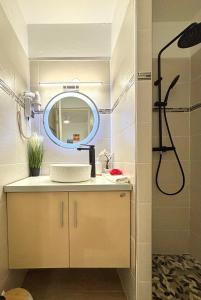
{"type": "Point", "coordinates": [38, 232]}
{"type": "Point", "coordinates": [99, 229]}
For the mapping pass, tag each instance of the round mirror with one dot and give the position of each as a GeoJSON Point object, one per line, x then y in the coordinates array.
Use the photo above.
{"type": "Point", "coordinates": [71, 119]}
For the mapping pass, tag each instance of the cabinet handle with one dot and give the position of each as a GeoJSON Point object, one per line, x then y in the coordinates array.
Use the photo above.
{"type": "Point", "coordinates": [62, 214]}
{"type": "Point", "coordinates": [75, 214]}
{"type": "Point", "coordinates": [122, 195]}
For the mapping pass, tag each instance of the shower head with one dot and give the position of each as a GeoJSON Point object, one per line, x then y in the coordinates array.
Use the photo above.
{"type": "Point", "coordinates": [191, 36]}
{"type": "Point", "coordinates": [174, 81]}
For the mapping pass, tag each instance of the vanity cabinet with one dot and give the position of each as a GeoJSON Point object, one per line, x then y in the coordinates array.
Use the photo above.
{"type": "Point", "coordinates": [69, 229]}
{"type": "Point", "coordinates": [38, 235]}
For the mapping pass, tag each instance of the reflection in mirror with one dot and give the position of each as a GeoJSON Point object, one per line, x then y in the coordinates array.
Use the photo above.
{"type": "Point", "coordinates": [71, 119]}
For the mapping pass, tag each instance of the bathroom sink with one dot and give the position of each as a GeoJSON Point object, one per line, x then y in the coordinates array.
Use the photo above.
{"type": "Point", "coordinates": [70, 172]}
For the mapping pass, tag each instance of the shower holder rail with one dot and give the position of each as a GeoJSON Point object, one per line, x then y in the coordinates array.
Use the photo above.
{"type": "Point", "coordinates": [163, 149]}
{"type": "Point", "coordinates": [11, 93]}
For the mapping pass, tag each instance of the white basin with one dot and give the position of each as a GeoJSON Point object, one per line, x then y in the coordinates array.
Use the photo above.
{"type": "Point", "coordinates": [70, 172]}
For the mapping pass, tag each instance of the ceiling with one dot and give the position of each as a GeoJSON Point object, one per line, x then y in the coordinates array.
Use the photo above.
{"type": "Point", "coordinates": [69, 40]}
{"type": "Point", "coordinates": [175, 10]}
{"type": "Point", "coordinates": [67, 11]}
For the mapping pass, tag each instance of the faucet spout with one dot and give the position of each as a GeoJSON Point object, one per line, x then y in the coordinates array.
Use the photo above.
{"type": "Point", "coordinates": [91, 149]}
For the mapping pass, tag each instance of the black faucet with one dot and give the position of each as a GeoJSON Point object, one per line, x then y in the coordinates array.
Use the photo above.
{"type": "Point", "coordinates": [91, 149]}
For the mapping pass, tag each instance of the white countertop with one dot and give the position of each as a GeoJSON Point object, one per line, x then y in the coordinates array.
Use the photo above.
{"type": "Point", "coordinates": [44, 184]}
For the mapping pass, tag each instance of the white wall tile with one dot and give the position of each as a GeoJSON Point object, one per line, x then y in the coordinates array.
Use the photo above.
{"type": "Point", "coordinates": [14, 70]}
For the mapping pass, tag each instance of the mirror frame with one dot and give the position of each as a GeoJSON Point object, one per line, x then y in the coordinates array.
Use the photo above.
{"type": "Point", "coordinates": [88, 101]}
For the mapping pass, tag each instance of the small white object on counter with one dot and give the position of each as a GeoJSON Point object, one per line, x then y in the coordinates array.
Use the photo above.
{"type": "Point", "coordinates": [117, 178]}
{"type": "Point", "coordinates": [44, 184]}
{"type": "Point", "coordinates": [99, 167]}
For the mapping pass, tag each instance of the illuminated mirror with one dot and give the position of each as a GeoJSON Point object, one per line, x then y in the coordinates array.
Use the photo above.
{"type": "Point", "coordinates": [71, 119]}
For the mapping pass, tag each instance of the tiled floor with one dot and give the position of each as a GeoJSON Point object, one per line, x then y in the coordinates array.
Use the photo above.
{"type": "Point", "coordinates": [176, 277]}
{"type": "Point", "coordinates": [74, 284]}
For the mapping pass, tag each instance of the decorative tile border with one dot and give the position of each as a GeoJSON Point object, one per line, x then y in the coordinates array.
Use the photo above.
{"type": "Point", "coordinates": [180, 109]}
{"type": "Point", "coordinates": [105, 111]}
{"type": "Point", "coordinates": [174, 109]}
{"type": "Point", "coordinates": [144, 76]}
{"type": "Point", "coordinates": [195, 106]}
{"type": "Point", "coordinates": [102, 111]}
{"type": "Point", "coordinates": [126, 89]}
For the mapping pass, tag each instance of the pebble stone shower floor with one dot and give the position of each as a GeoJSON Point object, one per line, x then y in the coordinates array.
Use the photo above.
{"type": "Point", "coordinates": [176, 277]}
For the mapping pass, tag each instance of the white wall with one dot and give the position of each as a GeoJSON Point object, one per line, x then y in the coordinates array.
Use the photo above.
{"type": "Point", "coordinates": [118, 18]}
{"type": "Point", "coordinates": [66, 71]}
{"type": "Point", "coordinates": [16, 19]}
{"type": "Point", "coordinates": [123, 124]}
{"type": "Point", "coordinates": [14, 70]}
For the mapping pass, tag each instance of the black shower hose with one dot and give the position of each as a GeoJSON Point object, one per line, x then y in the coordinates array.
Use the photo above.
{"type": "Point", "coordinates": [177, 158]}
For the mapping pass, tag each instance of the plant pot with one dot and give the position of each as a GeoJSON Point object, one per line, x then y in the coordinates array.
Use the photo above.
{"type": "Point", "coordinates": [34, 172]}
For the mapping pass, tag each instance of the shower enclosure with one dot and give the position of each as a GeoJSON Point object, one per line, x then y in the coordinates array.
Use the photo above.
{"type": "Point", "coordinates": [177, 150]}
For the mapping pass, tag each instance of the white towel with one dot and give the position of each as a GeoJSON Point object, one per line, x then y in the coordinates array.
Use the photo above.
{"type": "Point", "coordinates": [118, 178]}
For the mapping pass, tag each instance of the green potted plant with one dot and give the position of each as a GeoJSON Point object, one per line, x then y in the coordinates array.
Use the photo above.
{"type": "Point", "coordinates": [35, 154]}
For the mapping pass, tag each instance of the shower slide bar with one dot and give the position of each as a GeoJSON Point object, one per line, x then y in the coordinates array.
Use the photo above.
{"type": "Point", "coordinates": [11, 93]}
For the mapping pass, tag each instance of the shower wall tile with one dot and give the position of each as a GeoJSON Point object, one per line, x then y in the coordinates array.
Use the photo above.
{"type": "Point", "coordinates": [196, 90]}
{"type": "Point", "coordinates": [133, 255]}
{"type": "Point", "coordinates": [179, 124]}
{"type": "Point", "coordinates": [171, 67]}
{"type": "Point", "coordinates": [144, 8]}
{"type": "Point", "coordinates": [145, 272]}
{"type": "Point", "coordinates": [144, 152]}
{"type": "Point", "coordinates": [182, 144]}
{"type": "Point", "coordinates": [195, 150]}
{"type": "Point", "coordinates": [195, 174]}
{"type": "Point", "coordinates": [144, 106]}
{"type": "Point", "coordinates": [195, 245]}
{"type": "Point", "coordinates": [144, 42]}
{"type": "Point", "coordinates": [14, 70]}
{"type": "Point", "coordinates": [195, 123]}
{"type": "Point", "coordinates": [170, 173]}
{"type": "Point", "coordinates": [196, 78]}
{"type": "Point", "coordinates": [143, 224]}
{"type": "Point", "coordinates": [196, 65]}
{"type": "Point", "coordinates": [144, 290]}
{"type": "Point", "coordinates": [123, 128]}
{"type": "Point", "coordinates": [171, 214]}
{"type": "Point", "coordinates": [171, 242]}
{"type": "Point", "coordinates": [144, 140]}
{"type": "Point", "coordinates": [171, 218]}
{"type": "Point", "coordinates": [181, 200]}
{"type": "Point", "coordinates": [178, 97]}
{"type": "Point", "coordinates": [144, 173]}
